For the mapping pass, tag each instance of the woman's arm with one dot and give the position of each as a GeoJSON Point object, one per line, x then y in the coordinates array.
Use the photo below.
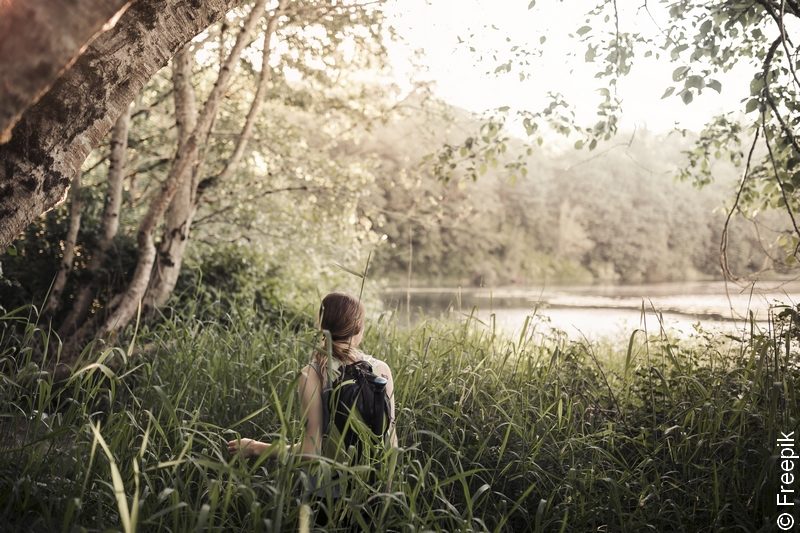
{"type": "Point", "coordinates": [252, 447]}
{"type": "Point", "coordinates": [309, 387]}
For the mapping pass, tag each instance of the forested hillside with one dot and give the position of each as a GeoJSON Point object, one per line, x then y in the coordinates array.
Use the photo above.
{"type": "Point", "coordinates": [618, 214]}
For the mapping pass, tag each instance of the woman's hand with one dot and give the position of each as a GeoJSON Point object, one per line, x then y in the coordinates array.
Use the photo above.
{"type": "Point", "coordinates": [246, 447]}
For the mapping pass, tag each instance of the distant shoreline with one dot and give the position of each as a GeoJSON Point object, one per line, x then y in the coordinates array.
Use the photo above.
{"type": "Point", "coordinates": [705, 301]}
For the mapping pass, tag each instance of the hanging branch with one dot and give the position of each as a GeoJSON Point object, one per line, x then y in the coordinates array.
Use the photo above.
{"type": "Point", "coordinates": [771, 101]}
{"type": "Point", "coordinates": [723, 245]}
{"type": "Point", "coordinates": [769, 58]}
{"type": "Point", "coordinates": [784, 40]}
{"type": "Point", "coordinates": [255, 105]}
{"type": "Point", "coordinates": [787, 132]}
{"type": "Point", "coordinates": [782, 189]}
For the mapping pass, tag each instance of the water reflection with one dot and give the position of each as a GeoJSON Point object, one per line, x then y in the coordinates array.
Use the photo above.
{"type": "Point", "coordinates": [597, 311]}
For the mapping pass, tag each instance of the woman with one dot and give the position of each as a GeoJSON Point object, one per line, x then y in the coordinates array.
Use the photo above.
{"type": "Point", "coordinates": [342, 316]}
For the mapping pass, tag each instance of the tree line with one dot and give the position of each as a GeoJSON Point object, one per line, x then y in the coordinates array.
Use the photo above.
{"type": "Point", "coordinates": [620, 214]}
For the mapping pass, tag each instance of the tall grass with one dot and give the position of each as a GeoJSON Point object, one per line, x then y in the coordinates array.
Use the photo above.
{"type": "Point", "coordinates": [495, 434]}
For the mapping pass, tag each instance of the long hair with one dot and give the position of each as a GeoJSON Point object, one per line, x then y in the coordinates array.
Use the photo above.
{"type": "Point", "coordinates": [341, 317]}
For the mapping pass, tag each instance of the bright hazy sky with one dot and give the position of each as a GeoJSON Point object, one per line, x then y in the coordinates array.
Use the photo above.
{"type": "Point", "coordinates": [460, 79]}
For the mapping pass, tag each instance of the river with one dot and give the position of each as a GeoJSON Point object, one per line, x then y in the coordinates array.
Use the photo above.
{"type": "Point", "coordinates": [602, 311]}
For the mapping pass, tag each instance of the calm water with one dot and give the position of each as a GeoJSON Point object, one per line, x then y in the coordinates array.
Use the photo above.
{"type": "Point", "coordinates": [597, 311]}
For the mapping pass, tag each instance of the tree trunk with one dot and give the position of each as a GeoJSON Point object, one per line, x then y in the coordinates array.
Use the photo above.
{"type": "Point", "coordinates": [184, 206]}
{"type": "Point", "coordinates": [181, 169]}
{"type": "Point", "coordinates": [54, 298]}
{"type": "Point", "coordinates": [110, 225]}
{"type": "Point", "coordinates": [181, 210]}
{"type": "Point", "coordinates": [39, 39]}
{"type": "Point", "coordinates": [53, 137]}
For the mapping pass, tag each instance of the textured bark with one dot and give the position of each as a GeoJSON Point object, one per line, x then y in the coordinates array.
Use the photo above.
{"type": "Point", "coordinates": [109, 225]}
{"type": "Point", "coordinates": [39, 39]}
{"type": "Point", "coordinates": [180, 170]}
{"type": "Point", "coordinates": [65, 267]}
{"type": "Point", "coordinates": [181, 210]}
{"type": "Point", "coordinates": [53, 138]}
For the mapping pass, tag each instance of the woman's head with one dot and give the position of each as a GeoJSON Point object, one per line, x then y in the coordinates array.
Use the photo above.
{"type": "Point", "coordinates": [343, 316]}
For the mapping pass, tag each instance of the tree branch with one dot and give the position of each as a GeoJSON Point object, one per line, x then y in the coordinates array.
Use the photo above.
{"type": "Point", "coordinates": [255, 105]}
{"type": "Point", "coordinates": [723, 245]}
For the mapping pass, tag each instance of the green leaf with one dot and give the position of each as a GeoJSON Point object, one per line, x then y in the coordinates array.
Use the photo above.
{"type": "Point", "coordinates": [116, 480]}
{"type": "Point", "coordinates": [591, 52]}
{"type": "Point", "coordinates": [532, 4]}
{"type": "Point", "coordinates": [695, 82]}
{"type": "Point", "coordinates": [578, 145]}
{"type": "Point", "coordinates": [529, 126]}
{"type": "Point", "coordinates": [714, 84]}
{"type": "Point", "coordinates": [752, 105]}
{"type": "Point", "coordinates": [668, 92]}
{"type": "Point", "coordinates": [687, 97]}
{"type": "Point", "coordinates": [505, 67]}
{"type": "Point", "coordinates": [756, 85]}
{"type": "Point", "coordinates": [583, 30]}
{"type": "Point", "coordinates": [679, 73]}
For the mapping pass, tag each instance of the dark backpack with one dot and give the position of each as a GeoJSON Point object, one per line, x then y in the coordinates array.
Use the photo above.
{"type": "Point", "coordinates": [355, 386]}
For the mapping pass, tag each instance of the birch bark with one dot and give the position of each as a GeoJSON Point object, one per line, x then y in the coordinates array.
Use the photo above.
{"type": "Point", "coordinates": [182, 208]}
{"type": "Point", "coordinates": [110, 225]}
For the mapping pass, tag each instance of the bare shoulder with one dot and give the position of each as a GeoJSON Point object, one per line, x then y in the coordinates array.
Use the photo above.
{"type": "Point", "coordinates": [378, 366]}
{"type": "Point", "coordinates": [308, 374]}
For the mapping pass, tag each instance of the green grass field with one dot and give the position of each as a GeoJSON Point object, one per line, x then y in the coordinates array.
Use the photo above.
{"type": "Point", "coordinates": [495, 434]}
